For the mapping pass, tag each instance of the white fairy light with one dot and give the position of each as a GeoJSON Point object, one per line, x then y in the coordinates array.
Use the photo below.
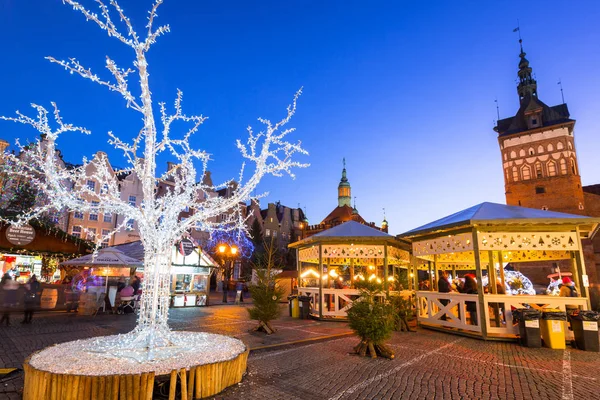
{"type": "Point", "coordinates": [158, 217]}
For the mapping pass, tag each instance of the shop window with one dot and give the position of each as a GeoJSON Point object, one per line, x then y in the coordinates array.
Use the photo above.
{"type": "Point", "coordinates": [551, 168]}
{"type": "Point", "coordinates": [76, 231]}
{"type": "Point", "coordinates": [91, 185]}
{"type": "Point", "coordinates": [94, 213]}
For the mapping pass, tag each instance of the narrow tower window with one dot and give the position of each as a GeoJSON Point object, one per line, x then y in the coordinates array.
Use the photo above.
{"type": "Point", "coordinates": [515, 174]}
{"type": "Point", "coordinates": [526, 173]}
{"type": "Point", "coordinates": [551, 168]}
{"type": "Point", "coordinates": [538, 170]}
{"type": "Point", "coordinates": [563, 166]}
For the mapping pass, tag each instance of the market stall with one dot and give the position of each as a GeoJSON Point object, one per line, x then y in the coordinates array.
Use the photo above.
{"type": "Point", "coordinates": [101, 273]}
{"type": "Point", "coordinates": [484, 239]}
{"type": "Point", "coordinates": [330, 262]}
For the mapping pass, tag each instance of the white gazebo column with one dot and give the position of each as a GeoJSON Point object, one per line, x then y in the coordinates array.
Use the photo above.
{"type": "Point", "coordinates": [298, 267]}
{"type": "Point", "coordinates": [501, 269]}
{"type": "Point", "coordinates": [429, 270]}
{"type": "Point", "coordinates": [385, 270]}
{"type": "Point", "coordinates": [579, 271]}
{"type": "Point", "coordinates": [320, 281]}
{"type": "Point", "coordinates": [435, 273]}
{"type": "Point", "coordinates": [491, 273]}
{"type": "Point", "coordinates": [481, 317]}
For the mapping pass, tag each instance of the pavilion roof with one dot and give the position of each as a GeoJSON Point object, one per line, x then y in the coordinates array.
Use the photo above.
{"type": "Point", "coordinates": [500, 214]}
{"type": "Point", "coordinates": [350, 231]}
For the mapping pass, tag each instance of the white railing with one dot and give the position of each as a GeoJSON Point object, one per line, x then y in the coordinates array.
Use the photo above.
{"type": "Point", "coordinates": [335, 302]}
{"type": "Point", "coordinates": [448, 310]}
{"type": "Point", "coordinates": [453, 314]}
{"type": "Point", "coordinates": [498, 309]}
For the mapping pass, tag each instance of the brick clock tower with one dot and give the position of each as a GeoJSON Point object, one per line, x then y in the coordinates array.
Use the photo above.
{"type": "Point", "coordinates": [538, 152]}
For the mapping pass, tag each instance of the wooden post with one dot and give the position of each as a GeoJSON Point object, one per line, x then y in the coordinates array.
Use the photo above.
{"type": "Point", "coordinates": [298, 267]}
{"type": "Point", "coordinates": [385, 270]}
{"type": "Point", "coordinates": [501, 262]}
{"type": "Point", "coordinates": [491, 273]}
{"type": "Point", "coordinates": [454, 276]}
{"type": "Point", "coordinates": [321, 281]}
{"type": "Point", "coordinates": [352, 273]}
{"type": "Point", "coordinates": [481, 316]}
{"type": "Point", "coordinates": [436, 273]}
{"type": "Point", "coordinates": [430, 276]}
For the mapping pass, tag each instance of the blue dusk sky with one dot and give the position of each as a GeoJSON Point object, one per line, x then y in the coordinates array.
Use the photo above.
{"type": "Point", "coordinates": [404, 90]}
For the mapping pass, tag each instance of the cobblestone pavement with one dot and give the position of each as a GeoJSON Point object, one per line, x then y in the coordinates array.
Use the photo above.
{"type": "Point", "coordinates": [428, 364]}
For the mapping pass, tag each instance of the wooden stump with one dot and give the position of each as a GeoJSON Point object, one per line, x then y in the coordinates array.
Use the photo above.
{"type": "Point", "coordinates": [200, 380]}
{"type": "Point", "coordinates": [374, 350]}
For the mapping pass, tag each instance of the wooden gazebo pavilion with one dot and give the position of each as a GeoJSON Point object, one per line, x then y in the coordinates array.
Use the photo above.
{"type": "Point", "coordinates": [484, 238]}
{"type": "Point", "coordinates": [331, 261]}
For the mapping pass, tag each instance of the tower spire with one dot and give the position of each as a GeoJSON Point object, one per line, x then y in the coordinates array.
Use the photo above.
{"type": "Point", "coordinates": [344, 190]}
{"type": "Point", "coordinates": [527, 86]}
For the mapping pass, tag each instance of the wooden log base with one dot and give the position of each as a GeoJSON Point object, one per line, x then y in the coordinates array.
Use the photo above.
{"type": "Point", "coordinates": [197, 382]}
{"type": "Point", "coordinates": [265, 327]}
{"type": "Point", "coordinates": [374, 350]}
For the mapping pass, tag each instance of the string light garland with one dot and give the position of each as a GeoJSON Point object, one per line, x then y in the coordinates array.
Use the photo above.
{"type": "Point", "coordinates": [64, 186]}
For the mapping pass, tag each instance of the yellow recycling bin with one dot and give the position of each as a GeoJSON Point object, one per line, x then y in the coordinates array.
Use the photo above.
{"type": "Point", "coordinates": [295, 307]}
{"type": "Point", "coordinates": [552, 326]}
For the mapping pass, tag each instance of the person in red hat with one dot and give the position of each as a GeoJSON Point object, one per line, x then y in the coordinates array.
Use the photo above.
{"type": "Point", "coordinates": [567, 289]}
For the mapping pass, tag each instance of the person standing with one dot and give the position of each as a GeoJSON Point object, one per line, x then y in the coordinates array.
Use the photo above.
{"type": "Point", "coordinates": [444, 287]}
{"type": "Point", "coordinates": [470, 287]}
{"type": "Point", "coordinates": [31, 296]}
{"type": "Point", "coordinates": [9, 287]}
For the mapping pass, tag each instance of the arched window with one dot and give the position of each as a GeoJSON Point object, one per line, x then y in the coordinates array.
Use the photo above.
{"type": "Point", "coordinates": [540, 149]}
{"type": "Point", "coordinates": [573, 167]}
{"type": "Point", "coordinates": [505, 157]}
{"type": "Point", "coordinates": [513, 154]}
{"type": "Point", "coordinates": [570, 145]}
{"type": "Point", "coordinates": [515, 174]}
{"type": "Point", "coordinates": [531, 152]}
{"type": "Point", "coordinates": [522, 153]}
{"type": "Point", "coordinates": [538, 170]}
{"type": "Point", "coordinates": [550, 147]}
{"type": "Point", "coordinates": [506, 172]}
{"type": "Point", "coordinates": [551, 166]}
{"type": "Point", "coordinates": [559, 146]}
{"type": "Point", "coordinates": [526, 171]}
{"type": "Point", "coordinates": [563, 166]}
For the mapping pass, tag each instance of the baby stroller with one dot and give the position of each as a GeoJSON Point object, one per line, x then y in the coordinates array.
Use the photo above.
{"type": "Point", "coordinates": [127, 305]}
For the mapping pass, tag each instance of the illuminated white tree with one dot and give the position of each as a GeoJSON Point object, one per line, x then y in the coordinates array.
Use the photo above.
{"type": "Point", "coordinates": [268, 152]}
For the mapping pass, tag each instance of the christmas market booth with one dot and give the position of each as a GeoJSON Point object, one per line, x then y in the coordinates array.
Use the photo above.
{"type": "Point", "coordinates": [330, 262]}
{"type": "Point", "coordinates": [486, 239]}
{"type": "Point", "coordinates": [37, 249]}
{"type": "Point", "coordinates": [190, 270]}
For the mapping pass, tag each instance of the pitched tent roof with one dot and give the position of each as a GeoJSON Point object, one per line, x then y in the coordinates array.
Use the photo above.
{"type": "Point", "coordinates": [352, 229]}
{"type": "Point", "coordinates": [136, 250]}
{"type": "Point", "coordinates": [106, 256]}
{"type": "Point", "coordinates": [493, 213]}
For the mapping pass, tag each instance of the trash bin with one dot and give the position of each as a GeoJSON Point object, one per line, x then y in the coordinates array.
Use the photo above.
{"type": "Point", "coordinates": [293, 306]}
{"type": "Point", "coordinates": [529, 326]}
{"type": "Point", "coordinates": [585, 329]}
{"type": "Point", "coordinates": [304, 306]}
{"type": "Point", "coordinates": [553, 328]}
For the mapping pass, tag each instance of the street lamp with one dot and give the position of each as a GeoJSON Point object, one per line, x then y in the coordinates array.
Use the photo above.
{"type": "Point", "coordinates": [226, 253]}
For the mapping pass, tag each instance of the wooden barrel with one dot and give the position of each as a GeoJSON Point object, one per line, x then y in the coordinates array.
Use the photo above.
{"type": "Point", "coordinates": [88, 303]}
{"type": "Point", "coordinates": [48, 299]}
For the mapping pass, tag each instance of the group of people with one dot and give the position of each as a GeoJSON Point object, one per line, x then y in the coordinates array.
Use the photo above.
{"type": "Point", "coordinates": [10, 301]}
